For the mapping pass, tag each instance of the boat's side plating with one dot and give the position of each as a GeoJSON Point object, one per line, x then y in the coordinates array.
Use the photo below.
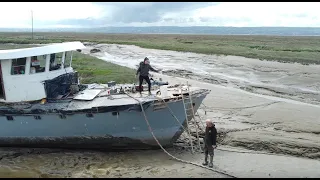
{"type": "Point", "coordinates": [123, 129]}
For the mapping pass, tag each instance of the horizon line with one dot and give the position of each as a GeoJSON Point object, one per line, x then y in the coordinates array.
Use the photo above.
{"type": "Point", "coordinates": [156, 26]}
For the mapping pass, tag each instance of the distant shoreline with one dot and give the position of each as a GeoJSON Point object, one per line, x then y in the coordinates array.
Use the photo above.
{"type": "Point", "coordinates": [288, 49]}
{"type": "Point", "coordinates": [194, 34]}
{"type": "Point", "coordinates": [190, 30]}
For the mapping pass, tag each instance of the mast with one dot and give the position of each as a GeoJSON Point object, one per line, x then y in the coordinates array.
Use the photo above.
{"type": "Point", "coordinates": [32, 22]}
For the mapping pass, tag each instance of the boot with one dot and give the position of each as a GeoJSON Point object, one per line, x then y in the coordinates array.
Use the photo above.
{"type": "Point", "coordinates": [205, 160]}
{"type": "Point", "coordinates": [149, 93]}
{"type": "Point", "coordinates": [211, 163]}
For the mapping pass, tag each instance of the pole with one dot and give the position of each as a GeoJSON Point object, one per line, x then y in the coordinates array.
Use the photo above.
{"type": "Point", "coordinates": [32, 22]}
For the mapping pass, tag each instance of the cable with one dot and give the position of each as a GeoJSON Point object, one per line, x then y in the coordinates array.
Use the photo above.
{"type": "Point", "coordinates": [187, 162]}
{"type": "Point", "coordinates": [171, 112]}
{"type": "Point", "coordinates": [246, 152]}
{"type": "Point", "coordinates": [246, 107]}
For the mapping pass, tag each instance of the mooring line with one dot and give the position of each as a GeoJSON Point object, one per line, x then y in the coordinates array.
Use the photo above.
{"type": "Point", "coordinates": [187, 162]}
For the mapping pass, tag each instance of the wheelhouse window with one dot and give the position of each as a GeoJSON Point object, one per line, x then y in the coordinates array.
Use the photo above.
{"type": "Point", "coordinates": [67, 59]}
{"type": "Point", "coordinates": [55, 61]}
{"type": "Point", "coordinates": [38, 64]}
{"type": "Point", "coordinates": [18, 66]}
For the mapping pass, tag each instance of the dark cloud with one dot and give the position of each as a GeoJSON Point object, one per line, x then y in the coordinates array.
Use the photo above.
{"type": "Point", "coordinates": [134, 12]}
{"type": "Point", "coordinates": [148, 12]}
{"type": "Point", "coordinates": [206, 19]}
{"type": "Point", "coordinates": [191, 20]}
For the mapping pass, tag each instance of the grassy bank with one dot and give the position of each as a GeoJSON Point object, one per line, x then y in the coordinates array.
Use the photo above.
{"type": "Point", "coordinates": [92, 69]}
{"type": "Point", "coordinates": [299, 49]}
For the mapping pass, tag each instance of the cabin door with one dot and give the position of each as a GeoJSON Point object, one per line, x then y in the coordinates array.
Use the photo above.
{"type": "Point", "coordinates": [2, 94]}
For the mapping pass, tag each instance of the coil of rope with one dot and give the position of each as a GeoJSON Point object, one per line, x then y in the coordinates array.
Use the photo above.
{"type": "Point", "coordinates": [181, 160]}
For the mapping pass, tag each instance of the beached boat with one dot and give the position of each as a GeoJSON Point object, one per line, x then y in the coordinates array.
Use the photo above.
{"type": "Point", "coordinates": [43, 104]}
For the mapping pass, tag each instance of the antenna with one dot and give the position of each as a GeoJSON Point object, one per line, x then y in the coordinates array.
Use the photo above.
{"type": "Point", "coordinates": [32, 22]}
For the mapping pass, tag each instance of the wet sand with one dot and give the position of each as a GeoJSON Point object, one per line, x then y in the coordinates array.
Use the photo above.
{"type": "Point", "coordinates": [282, 120]}
{"type": "Point", "coordinates": [282, 117]}
{"type": "Point", "coordinates": [67, 163]}
{"type": "Point", "coordinates": [261, 123]}
{"type": "Point", "coordinates": [261, 134]}
{"type": "Point", "coordinates": [64, 163]}
{"type": "Point", "coordinates": [291, 81]}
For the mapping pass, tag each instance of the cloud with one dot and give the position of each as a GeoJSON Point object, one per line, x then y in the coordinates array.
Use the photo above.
{"type": "Point", "coordinates": [262, 13]}
{"type": "Point", "coordinates": [98, 14]}
{"type": "Point", "coordinates": [147, 12]}
{"type": "Point", "coordinates": [18, 14]}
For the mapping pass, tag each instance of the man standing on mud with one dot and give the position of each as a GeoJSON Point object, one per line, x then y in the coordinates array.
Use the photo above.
{"type": "Point", "coordinates": [209, 142]}
{"type": "Point", "coordinates": [144, 74]}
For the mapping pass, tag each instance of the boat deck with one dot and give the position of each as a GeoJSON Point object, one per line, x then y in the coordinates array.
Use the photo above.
{"type": "Point", "coordinates": [105, 99]}
{"type": "Point", "coordinates": [102, 99]}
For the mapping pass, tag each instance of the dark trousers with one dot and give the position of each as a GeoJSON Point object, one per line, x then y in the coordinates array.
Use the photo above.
{"type": "Point", "coordinates": [208, 150]}
{"type": "Point", "coordinates": [141, 78]}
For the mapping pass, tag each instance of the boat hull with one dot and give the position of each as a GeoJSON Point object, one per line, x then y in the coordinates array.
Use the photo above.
{"type": "Point", "coordinates": [113, 130]}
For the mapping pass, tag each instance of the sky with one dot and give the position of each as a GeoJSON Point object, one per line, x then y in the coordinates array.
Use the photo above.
{"type": "Point", "coordinates": [102, 14]}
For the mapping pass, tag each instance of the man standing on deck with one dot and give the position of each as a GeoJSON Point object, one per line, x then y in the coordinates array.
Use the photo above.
{"type": "Point", "coordinates": [144, 74]}
{"type": "Point", "coordinates": [209, 142]}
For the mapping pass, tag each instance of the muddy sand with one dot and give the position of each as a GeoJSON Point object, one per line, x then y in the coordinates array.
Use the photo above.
{"type": "Point", "coordinates": [291, 81]}
{"type": "Point", "coordinates": [272, 159]}
{"type": "Point", "coordinates": [271, 131]}
{"type": "Point", "coordinates": [257, 105]}
{"type": "Point", "coordinates": [282, 117]}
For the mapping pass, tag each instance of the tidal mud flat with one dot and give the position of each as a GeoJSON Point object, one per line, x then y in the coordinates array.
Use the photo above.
{"type": "Point", "coordinates": [287, 80]}
{"type": "Point", "coordinates": [230, 157]}
{"type": "Point", "coordinates": [259, 105]}
{"type": "Point", "coordinates": [261, 133]}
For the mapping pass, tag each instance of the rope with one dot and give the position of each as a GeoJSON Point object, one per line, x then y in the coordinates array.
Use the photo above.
{"type": "Point", "coordinates": [187, 162]}
{"type": "Point", "coordinates": [171, 112]}
{"type": "Point", "coordinates": [246, 152]}
{"type": "Point", "coordinates": [237, 108]}
{"type": "Point", "coordinates": [201, 121]}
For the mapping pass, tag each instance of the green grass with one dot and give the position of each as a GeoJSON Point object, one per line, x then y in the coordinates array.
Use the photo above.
{"type": "Point", "coordinates": [92, 69]}
{"type": "Point", "coordinates": [301, 49]}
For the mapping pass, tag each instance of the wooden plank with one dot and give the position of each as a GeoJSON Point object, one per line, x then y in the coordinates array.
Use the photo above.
{"type": "Point", "coordinates": [87, 94]}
